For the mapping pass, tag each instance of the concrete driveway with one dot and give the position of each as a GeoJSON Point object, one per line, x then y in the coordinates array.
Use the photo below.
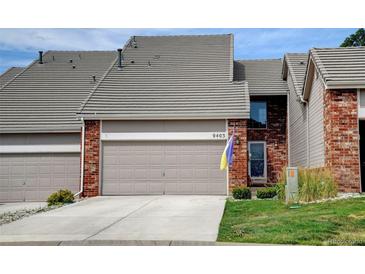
{"type": "Point", "coordinates": [123, 218]}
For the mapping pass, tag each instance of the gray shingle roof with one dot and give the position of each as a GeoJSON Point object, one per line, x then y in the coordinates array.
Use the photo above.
{"type": "Point", "coordinates": [45, 97]}
{"type": "Point", "coordinates": [340, 67]}
{"type": "Point", "coordinates": [9, 75]}
{"type": "Point", "coordinates": [296, 63]}
{"type": "Point", "coordinates": [171, 77]}
{"type": "Point", "coordinates": [263, 76]}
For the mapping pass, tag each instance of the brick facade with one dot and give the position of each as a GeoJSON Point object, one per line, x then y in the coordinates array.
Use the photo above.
{"type": "Point", "coordinates": [238, 171]}
{"type": "Point", "coordinates": [275, 136]}
{"type": "Point", "coordinates": [91, 160]}
{"type": "Point", "coordinates": [341, 134]}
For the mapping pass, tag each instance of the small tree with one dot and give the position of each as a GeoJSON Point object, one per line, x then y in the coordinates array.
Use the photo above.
{"type": "Point", "coordinates": [355, 40]}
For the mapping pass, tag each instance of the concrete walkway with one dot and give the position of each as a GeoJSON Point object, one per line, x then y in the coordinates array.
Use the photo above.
{"type": "Point", "coordinates": [12, 207]}
{"type": "Point", "coordinates": [125, 218]}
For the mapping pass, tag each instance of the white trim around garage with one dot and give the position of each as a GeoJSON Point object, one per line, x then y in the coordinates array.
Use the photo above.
{"type": "Point", "coordinates": [39, 148]}
{"type": "Point", "coordinates": [164, 136]}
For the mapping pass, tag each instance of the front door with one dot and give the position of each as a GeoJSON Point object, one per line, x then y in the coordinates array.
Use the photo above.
{"type": "Point", "coordinates": [362, 154]}
{"type": "Point", "coordinates": [257, 162]}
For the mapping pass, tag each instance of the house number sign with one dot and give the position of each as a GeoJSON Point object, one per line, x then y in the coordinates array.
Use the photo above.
{"type": "Point", "coordinates": [219, 135]}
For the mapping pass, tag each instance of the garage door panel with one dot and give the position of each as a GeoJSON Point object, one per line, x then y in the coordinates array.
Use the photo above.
{"type": "Point", "coordinates": [45, 181]}
{"type": "Point", "coordinates": [140, 188]}
{"type": "Point", "coordinates": [171, 167]}
{"type": "Point", "coordinates": [171, 172]}
{"type": "Point", "coordinates": [111, 173]}
{"type": "Point", "coordinates": [32, 177]}
{"type": "Point", "coordinates": [201, 173]}
{"type": "Point", "coordinates": [126, 173]}
{"type": "Point", "coordinates": [156, 188]}
{"type": "Point", "coordinates": [155, 173]}
{"type": "Point", "coordinates": [123, 188]}
{"type": "Point", "coordinates": [111, 159]}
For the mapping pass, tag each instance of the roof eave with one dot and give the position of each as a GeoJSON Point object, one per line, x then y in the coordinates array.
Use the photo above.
{"type": "Point", "coordinates": [35, 130]}
{"type": "Point", "coordinates": [161, 117]}
{"type": "Point", "coordinates": [342, 85]}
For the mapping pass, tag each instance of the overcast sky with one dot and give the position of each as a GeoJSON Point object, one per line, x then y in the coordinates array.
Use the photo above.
{"type": "Point", "coordinates": [18, 47]}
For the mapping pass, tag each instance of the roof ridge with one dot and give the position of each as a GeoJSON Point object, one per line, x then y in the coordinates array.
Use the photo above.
{"type": "Point", "coordinates": [83, 104]}
{"type": "Point", "coordinates": [257, 60]}
{"type": "Point", "coordinates": [345, 48]}
{"type": "Point", "coordinates": [295, 53]}
{"type": "Point", "coordinates": [70, 51]}
{"type": "Point", "coordinates": [184, 35]}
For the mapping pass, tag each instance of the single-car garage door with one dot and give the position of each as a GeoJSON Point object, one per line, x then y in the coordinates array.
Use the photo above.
{"type": "Point", "coordinates": [32, 177]}
{"type": "Point", "coordinates": [163, 167]}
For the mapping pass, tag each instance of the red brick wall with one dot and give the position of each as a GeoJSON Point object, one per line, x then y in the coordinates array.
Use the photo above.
{"type": "Point", "coordinates": [275, 135]}
{"type": "Point", "coordinates": [238, 170]}
{"type": "Point", "coordinates": [91, 162]}
{"type": "Point", "coordinates": [341, 134]}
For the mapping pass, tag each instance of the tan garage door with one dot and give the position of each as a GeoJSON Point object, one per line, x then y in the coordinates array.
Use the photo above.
{"type": "Point", "coordinates": [32, 177]}
{"type": "Point", "coordinates": [169, 167]}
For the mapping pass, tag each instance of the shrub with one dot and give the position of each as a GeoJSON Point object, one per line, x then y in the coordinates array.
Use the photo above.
{"type": "Point", "coordinates": [280, 186]}
{"type": "Point", "coordinates": [266, 193]}
{"type": "Point", "coordinates": [63, 196]}
{"type": "Point", "coordinates": [316, 184]}
{"type": "Point", "coordinates": [241, 193]}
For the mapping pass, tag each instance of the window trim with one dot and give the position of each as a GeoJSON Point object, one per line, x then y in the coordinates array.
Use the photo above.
{"type": "Point", "coordinates": [266, 124]}
{"type": "Point", "coordinates": [265, 159]}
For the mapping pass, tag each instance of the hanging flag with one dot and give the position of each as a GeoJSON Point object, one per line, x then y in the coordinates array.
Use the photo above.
{"type": "Point", "coordinates": [227, 155]}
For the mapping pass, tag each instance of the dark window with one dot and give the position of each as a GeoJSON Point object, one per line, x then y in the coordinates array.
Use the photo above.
{"type": "Point", "coordinates": [258, 114]}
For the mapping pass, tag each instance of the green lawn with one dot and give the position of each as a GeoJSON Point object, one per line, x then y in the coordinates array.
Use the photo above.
{"type": "Point", "coordinates": [268, 221]}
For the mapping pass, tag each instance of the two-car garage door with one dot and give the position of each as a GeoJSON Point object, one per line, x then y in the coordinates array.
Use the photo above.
{"type": "Point", "coordinates": [163, 167]}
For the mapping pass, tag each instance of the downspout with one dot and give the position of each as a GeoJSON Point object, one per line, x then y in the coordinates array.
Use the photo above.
{"type": "Point", "coordinates": [288, 126]}
{"type": "Point", "coordinates": [82, 158]}
{"type": "Point", "coordinates": [307, 104]}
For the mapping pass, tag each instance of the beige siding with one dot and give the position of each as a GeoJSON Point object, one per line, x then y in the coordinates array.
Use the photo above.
{"type": "Point", "coordinates": [40, 139]}
{"type": "Point", "coordinates": [164, 126]}
{"type": "Point", "coordinates": [297, 127]}
{"type": "Point", "coordinates": [316, 134]}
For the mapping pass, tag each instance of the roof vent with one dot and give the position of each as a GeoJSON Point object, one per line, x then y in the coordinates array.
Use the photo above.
{"type": "Point", "coordinates": [149, 63]}
{"type": "Point", "coordinates": [132, 61]}
{"type": "Point", "coordinates": [71, 60]}
{"type": "Point", "coordinates": [156, 56]}
{"type": "Point", "coordinates": [40, 61]}
{"type": "Point", "coordinates": [301, 62]}
{"type": "Point", "coordinates": [120, 58]}
{"type": "Point", "coordinates": [73, 66]}
{"type": "Point", "coordinates": [94, 78]}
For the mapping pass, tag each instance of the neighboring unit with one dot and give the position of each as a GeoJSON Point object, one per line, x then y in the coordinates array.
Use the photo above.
{"type": "Point", "coordinates": [326, 112]}
{"type": "Point", "coordinates": [40, 134]}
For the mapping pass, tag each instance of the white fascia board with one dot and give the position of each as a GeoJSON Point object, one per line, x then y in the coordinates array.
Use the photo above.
{"type": "Point", "coordinates": [164, 136]}
{"type": "Point", "coordinates": [39, 148]}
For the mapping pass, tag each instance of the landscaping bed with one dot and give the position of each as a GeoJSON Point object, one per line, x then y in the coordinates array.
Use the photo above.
{"type": "Point", "coordinates": [12, 216]}
{"type": "Point", "coordinates": [340, 222]}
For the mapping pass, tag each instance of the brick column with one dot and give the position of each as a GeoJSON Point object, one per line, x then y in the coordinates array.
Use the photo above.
{"type": "Point", "coordinates": [238, 172]}
{"type": "Point", "coordinates": [341, 133]}
{"type": "Point", "coordinates": [91, 162]}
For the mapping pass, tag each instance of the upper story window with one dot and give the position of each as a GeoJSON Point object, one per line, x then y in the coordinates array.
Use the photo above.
{"type": "Point", "coordinates": [258, 114]}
